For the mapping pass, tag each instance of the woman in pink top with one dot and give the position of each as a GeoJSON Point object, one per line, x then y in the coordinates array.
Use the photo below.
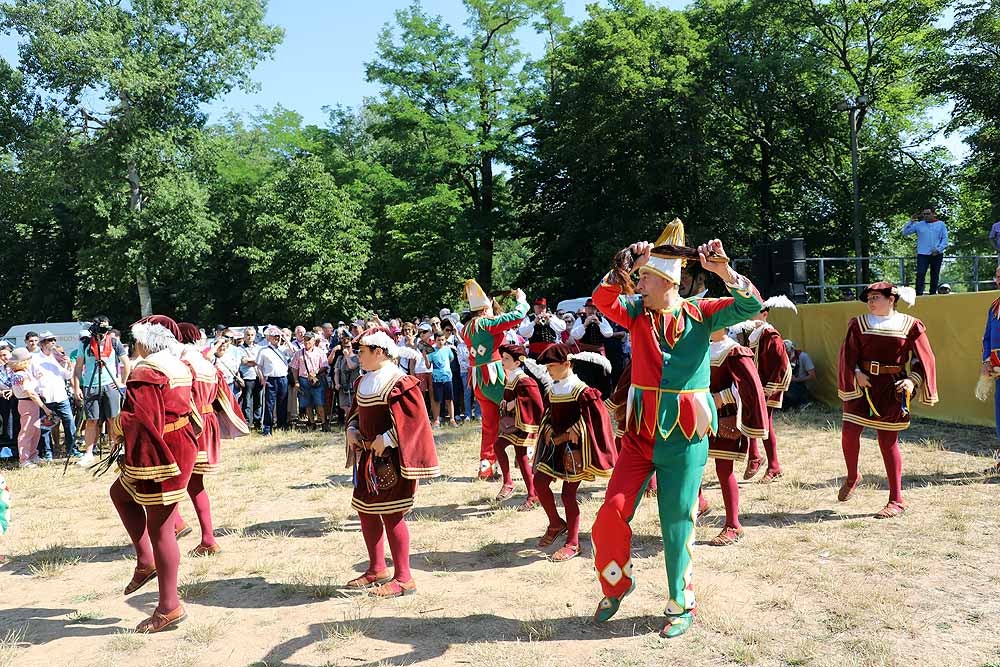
{"type": "Point", "coordinates": [29, 403]}
{"type": "Point", "coordinates": [310, 368]}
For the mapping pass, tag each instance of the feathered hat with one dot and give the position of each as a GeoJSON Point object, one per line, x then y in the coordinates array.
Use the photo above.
{"type": "Point", "coordinates": [905, 294]}
{"type": "Point", "coordinates": [476, 296]}
{"type": "Point", "coordinates": [190, 333]}
{"type": "Point", "coordinates": [379, 337]}
{"type": "Point", "coordinates": [779, 301]}
{"type": "Point", "coordinates": [667, 265]}
{"type": "Point", "coordinates": [561, 353]}
{"type": "Point", "coordinates": [156, 332]}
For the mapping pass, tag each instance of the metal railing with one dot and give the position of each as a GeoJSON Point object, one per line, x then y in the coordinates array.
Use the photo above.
{"type": "Point", "coordinates": [962, 273]}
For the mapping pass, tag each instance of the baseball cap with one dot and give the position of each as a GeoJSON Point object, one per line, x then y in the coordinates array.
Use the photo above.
{"type": "Point", "coordinates": [425, 326]}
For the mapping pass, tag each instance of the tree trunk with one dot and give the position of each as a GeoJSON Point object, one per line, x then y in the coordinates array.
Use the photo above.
{"type": "Point", "coordinates": [765, 198]}
{"type": "Point", "coordinates": [135, 208]}
{"type": "Point", "coordinates": [485, 268]}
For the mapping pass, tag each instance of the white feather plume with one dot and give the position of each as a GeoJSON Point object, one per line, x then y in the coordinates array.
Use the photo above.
{"type": "Point", "coordinates": [907, 295]}
{"type": "Point", "coordinates": [743, 327]}
{"type": "Point", "coordinates": [539, 372]}
{"type": "Point", "coordinates": [382, 340]}
{"type": "Point", "coordinates": [592, 358]}
{"type": "Point", "coordinates": [779, 301]}
{"type": "Point", "coordinates": [155, 338]}
{"type": "Point", "coordinates": [984, 388]}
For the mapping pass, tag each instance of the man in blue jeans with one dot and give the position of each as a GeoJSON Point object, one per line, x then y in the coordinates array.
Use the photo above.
{"type": "Point", "coordinates": [932, 239]}
{"type": "Point", "coordinates": [272, 360]}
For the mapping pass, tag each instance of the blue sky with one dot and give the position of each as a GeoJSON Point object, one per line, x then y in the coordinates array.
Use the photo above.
{"type": "Point", "coordinates": [327, 43]}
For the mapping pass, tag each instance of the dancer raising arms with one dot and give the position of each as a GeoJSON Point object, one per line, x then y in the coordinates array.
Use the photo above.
{"type": "Point", "coordinates": [390, 447]}
{"type": "Point", "coordinates": [876, 386]}
{"type": "Point", "coordinates": [670, 412]}
{"type": "Point", "coordinates": [484, 334]}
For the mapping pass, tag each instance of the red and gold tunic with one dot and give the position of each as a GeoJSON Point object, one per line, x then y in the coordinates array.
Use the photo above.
{"type": "Point", "coordinates": [773, 367]}
{"type": "Point", "coordinates": [389, 403]}
{"type": "Point", "coordinates": [882, 348]}
{"type": "Point", "coordinates": [736, 383]}
{"type": "Point", "coordinates": [159, 433]}
{"type": "Point", "coordinates": [520, 410]}
{"type": "Point", "coordinates": [215, 406]}
{"type": "Point", "coordinates": [577, 411]}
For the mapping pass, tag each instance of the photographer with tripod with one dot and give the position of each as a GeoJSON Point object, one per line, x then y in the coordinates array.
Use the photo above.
{"type": "Point", "coordinates": [96, 383]}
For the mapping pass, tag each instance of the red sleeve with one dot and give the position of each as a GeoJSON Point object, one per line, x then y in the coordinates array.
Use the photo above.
{"type": "Point", "coordinates": [923, 367]}
{"type": "Point", "coordinates": [607, 299]}
{"type": "Point", "coordinates": [850, 357]}
{"type": "Point", "coordinates": [141, 421]}
{"type": "Point", "coordinates": [775, 370]}
{"type": "Point", "coordinates": [232, 423]}
{"type": "Point", "coordinates": [751, 407]}
{"type": "Point", "coordinates": [529, 402]}
{"type": "Point", "coordinates": [352, 420]}
{"type": "Point", "coordinates": [599, 434]}
{"type": "Point", "coordinates": [412, 430]}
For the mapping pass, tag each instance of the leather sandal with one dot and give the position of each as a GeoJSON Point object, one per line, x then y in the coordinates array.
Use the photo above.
{"type": "Point", "coordinates": [159, 622]}
{"type": "Point", "coordinates": [565, 553]}
{"type": "Point", "coordinates": [608, 606]}
{"type": "Point", "coordinates": [551, 534]}
{"type": "Point", "coordinates": [846, 490]}
{"type": "Point", "coordinates": [183, 531]}
{"type": "Point", "coordinates": [529, 504]}
{"type": "Point", "coordinates": [727, 537]}
{"type": "Point", "coordinates": [770, 476]}
{"type": "Point", "coordinates": [703, 507]}
{"type": "Point", "coordinates": [506, 493]}
{"type": "Point", "coordinates": [205, 550]}
{"type": "Point", "coordinates": [890, 511]}
{"type": "Point", "coordinates": [394, 589]}
{"type": "Point", "coordinates": [139, 579]}
{"type": "Point", "coordinates": [368, 579]}
{"type": "Point", "coordinates": [753, 466]}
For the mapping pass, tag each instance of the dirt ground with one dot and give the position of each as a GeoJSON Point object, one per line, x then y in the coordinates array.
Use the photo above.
{"type": "Point", "coordinates": [814, 582]}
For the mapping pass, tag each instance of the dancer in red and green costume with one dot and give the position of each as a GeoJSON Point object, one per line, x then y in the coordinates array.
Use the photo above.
{"type": "Point", "coordinates": [670, 414]}
{"type": "Point", "coordinates": [484, 334]}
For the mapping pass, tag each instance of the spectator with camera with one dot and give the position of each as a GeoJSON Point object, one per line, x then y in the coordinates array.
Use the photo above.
{"type": "Point", "coordinates": [309, 370]}
{"type": "Point", "coordinates": [346, 370]}
{"type": "Point", "coordinates": [541, 328]}
{"type": "Point", "coordinates": [54, 369]}
{"type": "Point", "coordinates": [591, 330]}
{"type": "Point", "coordinates": [97, 383]}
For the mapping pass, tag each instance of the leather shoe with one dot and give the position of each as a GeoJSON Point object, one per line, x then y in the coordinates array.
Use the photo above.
{"type": "Point", "coordinates": [159, 622]}
{"type": "Point", "coordinates": [394, 589]}
{"type": "Point", "coordinates": [139, 579]}
{"type": "Point", "coordinates": [205, 550]}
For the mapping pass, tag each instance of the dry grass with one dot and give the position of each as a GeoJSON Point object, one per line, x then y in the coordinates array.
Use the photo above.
{"type": "Point", "coordinates": [814, 583]}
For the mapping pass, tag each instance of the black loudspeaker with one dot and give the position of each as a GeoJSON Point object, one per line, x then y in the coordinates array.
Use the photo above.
{"type": "Point", "coordinates": [791, 258]}
{"type": "Point", "coordinates": [760, 267]}
{"type": "Point", "coordinates": [780, 268]}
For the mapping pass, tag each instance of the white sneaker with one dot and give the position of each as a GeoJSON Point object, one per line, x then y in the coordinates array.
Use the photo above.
{"type": "Point", "coordinates": [86, 460]}
{"type": "Point", "coordinates": [29, 464]}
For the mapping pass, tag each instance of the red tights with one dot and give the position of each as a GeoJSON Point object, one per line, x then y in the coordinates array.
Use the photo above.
{"type": "Point", "coordinates": [730, 492]}
{"type": "Point", "coordinates": [202, 508]}
{"type": "Point", "coordinates": [572, 507]}
{"type": "Point", "coordinates": [151, 529]}
{"type": "Point", "coordinates": [393, 527]}
{"type": "Point", "coordinates": [523, 464]}
{"type": "Point", "coordinates": [770, 445]}
{"type": "Point", "coordinates": [888, 443]}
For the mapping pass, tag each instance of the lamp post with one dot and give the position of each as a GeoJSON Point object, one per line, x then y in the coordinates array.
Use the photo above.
{"type": "Point", "coordinates": [854, 106]}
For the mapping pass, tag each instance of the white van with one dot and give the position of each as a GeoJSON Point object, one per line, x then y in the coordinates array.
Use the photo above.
{"type": "Point", "coordinates": [67, 333]}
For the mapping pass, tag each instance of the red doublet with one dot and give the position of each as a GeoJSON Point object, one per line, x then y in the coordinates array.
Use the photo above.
{"type": "Point", "coordinates": [389, 403]}
{"type": "Point", "coordinates": [160, 437]}
{"type": "Point", "coordinates": [522, 405]}
{"type": "Point", "coordinates": [899, 340]}
{"type": "Point", "coordinates": [735, 383]}
{"type": "Point", "coordinates": [772, 363]}
{"type": "Point", "coordinates": [204, 390]}
{"type": "Point", "coordinates": [577, 411]}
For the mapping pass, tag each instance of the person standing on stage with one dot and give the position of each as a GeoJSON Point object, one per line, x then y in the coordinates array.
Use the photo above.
{"type": "Point", "coordinates": [159, 436]}
{"type": "Point", "coordinates": [390, 447]}
{"type": "Point", "coordinates": [885, 360]}
{"type": "Point", "coordinates": [670, 411]}
{"type": "Point", "coordinates": [520, 418]}
{"type": "Point", "coordinates": [576, 442]}
{"type": "Point", "coordinates": [991, 362]}
{"type": "Point", "coordinates": [541, 328]}
{"type": "Point", "coordinates": [742, 410]}
{"type": "Point", "coordinates": [483, 335]}
{"type": "Point", "coordinates": [932, 240]}
{"type": "Point", "coordinates": [775, 371]}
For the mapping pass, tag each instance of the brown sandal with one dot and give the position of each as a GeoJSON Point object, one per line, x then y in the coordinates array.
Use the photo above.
{"type": "Point", "coordinates": [506, 493]}
{"type": "Point", "coordinates": [394, 589]}
{"type": "Point", "coordinates": [846, 490]}
{"type": "Point", "coordinates": [529, 504]}
{"type": "Point", "coordinates": [183, 531]}
{"type": "Point", "coordinates": [159, 622]}
{"type": "Point", "coordinates": [367, 580]}
{"type": "Point", "coordinates": [890, 511]}
{"type": "Point", "coordinates": [753, 466]}
{"type": "Point", "coordinates": [770, 476]}
{"type": "Point", "coordinates": [565, 553]}
{"type": "Point", "coordinates": [205, 550]}
{"type": "Point", "coordinates": [139, 579]}
{"type": "Point", "coordinates": [551, 534]}
{"type": "Point", "coordinates": [727, 537]}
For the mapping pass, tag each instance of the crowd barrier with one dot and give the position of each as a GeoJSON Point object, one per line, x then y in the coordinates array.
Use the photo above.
{"type": "Point", "coordinates": [954, 323]}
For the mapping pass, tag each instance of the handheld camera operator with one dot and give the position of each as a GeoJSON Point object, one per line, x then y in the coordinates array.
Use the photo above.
{"type": "Point", "coordinates": [96, 383]}
{"type": "Point", "coordinates": [541, 328]}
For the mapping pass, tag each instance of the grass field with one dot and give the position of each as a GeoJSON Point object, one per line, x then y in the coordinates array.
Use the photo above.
{"type": "Point", "coordinates": [814, 582]}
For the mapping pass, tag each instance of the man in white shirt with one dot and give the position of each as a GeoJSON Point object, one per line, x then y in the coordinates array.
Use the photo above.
{"type": "Point", "coordinates": [541, 328]}
{"type": "Point", "coordinates": [272, 360]}
{"type": "Point", "coordinates": [590, 330]}
{"type": "Point", "coordinates": [54, 369]}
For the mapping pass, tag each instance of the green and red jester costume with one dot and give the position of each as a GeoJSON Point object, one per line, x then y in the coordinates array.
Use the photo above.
{"type": "Point", "coordinates": [669, 415]}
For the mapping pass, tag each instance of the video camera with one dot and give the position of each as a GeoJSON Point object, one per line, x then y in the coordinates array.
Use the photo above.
{"type": "Point", "coordinates": [100, 327]}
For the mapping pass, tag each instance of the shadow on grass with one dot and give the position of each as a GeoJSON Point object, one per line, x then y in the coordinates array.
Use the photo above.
{"type": "Point", "coordinates": [313, 526]}
{"type": "Point", "coordinates": [430, 638]}
{"type": "Point", "coordinates": [42, 625]}
{"type": "Point", "coordinates": [249, 593]}
{"type": "Point", "coordinates": [963, 478]}
{"type": "Point", "coordinates": [22, 564]}
{"type": "Point", "coordinates": [332, 482]}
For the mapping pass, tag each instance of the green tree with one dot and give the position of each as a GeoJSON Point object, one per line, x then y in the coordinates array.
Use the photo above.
{"type": "Point", "coordinates": [148, 65]}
